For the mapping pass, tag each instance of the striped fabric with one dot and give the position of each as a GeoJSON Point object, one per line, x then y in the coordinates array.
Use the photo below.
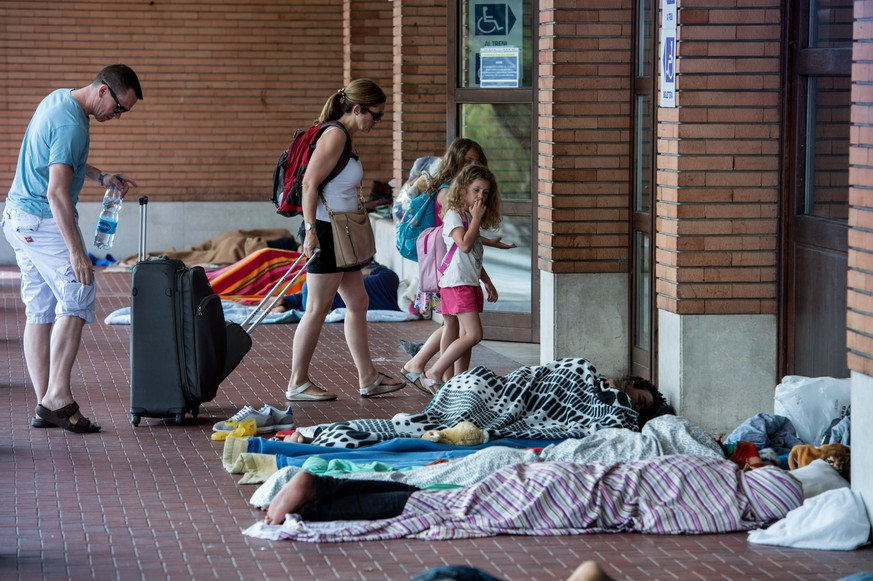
{"type": "Point", "coordinates": [771, 503]}
{"type": "Point", "coordinates": [666, 495]}
{"type": "Point", "coordinates": [250, 279]}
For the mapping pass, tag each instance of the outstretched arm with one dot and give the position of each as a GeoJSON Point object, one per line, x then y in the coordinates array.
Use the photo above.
{"type": "Point", "coordinates": [497, 243]}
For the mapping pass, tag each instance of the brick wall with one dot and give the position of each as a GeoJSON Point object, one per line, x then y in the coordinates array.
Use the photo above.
{"type": "Point", "coordinates": [225, 84]}
{"type": "Point", "coordinates": [860, 282]}
{"type": "Point", "coordinates": [719, 162]}
{"type": "Point", "coordinates": [420, 82]}
{"type": "Point", "coordinates": [368, 54]}
{"type": "Point", "coordinates": [584, 135]}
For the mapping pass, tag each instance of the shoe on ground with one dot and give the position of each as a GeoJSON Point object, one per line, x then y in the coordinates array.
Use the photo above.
{"type": "Point", "coordinates": [411, 348]}
{"type": "Point", "coordinates": [263, 422]}
{"type": "Point", "coordinates": [282, 419]}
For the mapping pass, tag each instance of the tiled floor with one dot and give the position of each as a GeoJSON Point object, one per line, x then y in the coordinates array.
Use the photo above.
{"type": "Point", "coordinates": [153, 502]}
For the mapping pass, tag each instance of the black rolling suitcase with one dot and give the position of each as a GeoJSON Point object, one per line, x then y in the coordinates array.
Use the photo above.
{"type": "Point", "coordinates": [181, 348]}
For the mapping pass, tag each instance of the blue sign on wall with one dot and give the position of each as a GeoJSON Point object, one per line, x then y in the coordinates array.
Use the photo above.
{"type": "Point", "coordinates": [670, 58]}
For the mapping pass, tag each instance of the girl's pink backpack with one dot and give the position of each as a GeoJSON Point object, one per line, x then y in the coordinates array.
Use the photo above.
{"type": "Point", "coordinates": [433, 257]}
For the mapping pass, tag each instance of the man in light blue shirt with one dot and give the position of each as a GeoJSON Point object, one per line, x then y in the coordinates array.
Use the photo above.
{"type": "Point", "coordinates": [41, 223]}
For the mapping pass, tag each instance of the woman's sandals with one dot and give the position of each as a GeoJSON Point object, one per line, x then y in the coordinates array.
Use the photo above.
{"type": "Point", "coordinates": [378, 387]}
{"type": "Point", "coordinates": [299, 393]}
{"type": "Point", "coordinates": [61, 418]}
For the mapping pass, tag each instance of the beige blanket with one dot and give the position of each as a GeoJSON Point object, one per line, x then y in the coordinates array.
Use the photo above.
{"type": "Point", "coordinates": [222, 250]}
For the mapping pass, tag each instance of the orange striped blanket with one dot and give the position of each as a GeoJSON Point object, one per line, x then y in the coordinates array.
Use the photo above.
{"type": "Point", "coordinates": [247, 281]}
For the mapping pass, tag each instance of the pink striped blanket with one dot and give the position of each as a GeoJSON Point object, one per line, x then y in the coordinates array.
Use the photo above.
{"type": "Point", "coordinates": [666, 495]}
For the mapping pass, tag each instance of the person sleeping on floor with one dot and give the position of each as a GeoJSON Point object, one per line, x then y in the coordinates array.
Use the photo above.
{"type": "Point", "coordinates": [562, 399]}
{"type": "Point", "coordinates": [665, 495]}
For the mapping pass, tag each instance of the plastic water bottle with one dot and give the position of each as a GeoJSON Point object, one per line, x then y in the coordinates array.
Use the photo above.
{"type": "Point", "coordinates": [108, 221]}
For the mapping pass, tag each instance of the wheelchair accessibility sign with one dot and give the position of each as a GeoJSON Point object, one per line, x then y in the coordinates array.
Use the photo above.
{"type": "Point", "coordinates": [493, 19]}
{"type": "Point", "coordinates": [494, 35]}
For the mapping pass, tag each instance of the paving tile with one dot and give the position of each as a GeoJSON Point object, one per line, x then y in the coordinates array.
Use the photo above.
{"type": "Point", "coordinates": [154, 502]}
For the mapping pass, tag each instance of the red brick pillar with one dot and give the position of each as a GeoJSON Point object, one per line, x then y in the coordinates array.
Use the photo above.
{"type": "Point", "coordinates": [584, 142]}
{"type": "Point", "coordinates": [368, 43]}
{"type": "Point", "coordinates": [419, 82]}
{"type": "Point", "coordinates": [719, 164]}
{"type": "Point", "coordinates": [583, 180]}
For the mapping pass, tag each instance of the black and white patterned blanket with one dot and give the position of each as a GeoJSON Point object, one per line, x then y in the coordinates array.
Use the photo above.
{"type": "Point", "coordinates": [562, 399]}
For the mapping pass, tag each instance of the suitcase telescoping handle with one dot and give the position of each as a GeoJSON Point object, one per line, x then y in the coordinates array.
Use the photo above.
{"type": "Point", "coordinates": [143, 224]}
{"type": "Point", "coordinates": [263, 309]}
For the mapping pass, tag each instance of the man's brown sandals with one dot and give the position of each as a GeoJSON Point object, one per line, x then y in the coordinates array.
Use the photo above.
{"type": "Point", "coordinates": [61, 418]}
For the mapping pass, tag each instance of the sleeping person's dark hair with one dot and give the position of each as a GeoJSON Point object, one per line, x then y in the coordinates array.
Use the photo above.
{"type": "Point", "coordinates": [660, 406]}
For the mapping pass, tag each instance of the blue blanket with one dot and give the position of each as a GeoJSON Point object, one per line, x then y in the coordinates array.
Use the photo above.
{"type": "Point", "coordinates": [399, 452]}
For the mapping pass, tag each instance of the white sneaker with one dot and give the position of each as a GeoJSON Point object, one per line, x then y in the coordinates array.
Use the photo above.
{"type": "Point", "coordinates": [282, 419]}
{"type": "Point", "coordinates": [264, 421]}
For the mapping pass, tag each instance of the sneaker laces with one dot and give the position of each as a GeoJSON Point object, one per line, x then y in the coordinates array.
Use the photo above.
{"type": "Point", "coordinates": [242, 414]}
{"type": "Point", "coordinates": [269, 410]}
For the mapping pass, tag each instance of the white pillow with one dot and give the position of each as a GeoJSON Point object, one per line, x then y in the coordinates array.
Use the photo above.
{"type": "Point", "coordinates": [835, 520]}
{"type": "Point", "coordinates": [817, 477]}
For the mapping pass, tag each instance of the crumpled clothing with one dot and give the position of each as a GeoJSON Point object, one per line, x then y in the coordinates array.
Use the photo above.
{"type": "Point", "coordinates": [767, 431]}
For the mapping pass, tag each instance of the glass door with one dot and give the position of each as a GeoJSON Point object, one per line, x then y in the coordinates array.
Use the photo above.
{"type": "Point", "coordinates": [492, 100]}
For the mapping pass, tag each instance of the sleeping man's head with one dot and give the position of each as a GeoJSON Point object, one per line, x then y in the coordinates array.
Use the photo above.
{"type": "Point", "coordinates": [644, 396]}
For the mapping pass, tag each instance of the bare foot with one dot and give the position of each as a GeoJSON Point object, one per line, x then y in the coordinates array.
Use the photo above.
{"type": "Point", "coordinates": [410, 369]}
{"type": "Point", "coordinates": [295, 438]}
{"type": "Point", "coordinates": [589, 571]}
{"type": "Point", "coordinates": [297, 492]}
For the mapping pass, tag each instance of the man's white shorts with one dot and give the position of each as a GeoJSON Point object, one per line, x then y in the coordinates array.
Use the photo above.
{"type": "Point", "coordinates": [48, 286]}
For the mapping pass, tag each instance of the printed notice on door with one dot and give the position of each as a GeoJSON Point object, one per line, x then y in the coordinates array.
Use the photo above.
{"type": "Point", "coordinates": [499, 66]}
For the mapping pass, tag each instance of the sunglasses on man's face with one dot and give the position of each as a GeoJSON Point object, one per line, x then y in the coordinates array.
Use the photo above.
{"type": "Point", "coordinates": [376, 116]}
{"type": "Point", "coordinates": [119, 108]}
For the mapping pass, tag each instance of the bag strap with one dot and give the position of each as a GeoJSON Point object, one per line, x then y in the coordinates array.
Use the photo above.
{"type": "Point", "coordinates": [345, 156]}
{"type": "Point", "coordinates": [451, 251]}
{"type": "Point", "coordinates": [431, 200]}
{"type": "Point", "coordinates": [340, 165]}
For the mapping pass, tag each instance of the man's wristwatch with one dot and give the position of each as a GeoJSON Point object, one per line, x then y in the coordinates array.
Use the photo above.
{"type": "Point", "coordinates": [308, 226]}
{"type": "Point", "coordinates": [102, 177]}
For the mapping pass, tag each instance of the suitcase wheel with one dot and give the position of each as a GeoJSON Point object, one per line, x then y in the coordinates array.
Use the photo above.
{"type": "Point", "coordinates": [179, 419]}
{"type": "Point", "coordinates": [134, 419]}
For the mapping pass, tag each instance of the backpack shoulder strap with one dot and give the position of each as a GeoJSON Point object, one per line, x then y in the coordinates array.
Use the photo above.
{"type": "Point", "coordinates": [347, 150]}
{"type": "Point", "coordinates": [451, 252]}
{"type": "Point", "coordinates": [344, 156]}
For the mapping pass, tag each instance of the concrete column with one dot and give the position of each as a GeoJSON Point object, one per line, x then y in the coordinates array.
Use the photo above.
{"type": "Point", "coordinates": [862, 435]}
{"type": "Point", "coordinates": [717, 370]}
{"type": "Point", "coordinates": [585, 315]}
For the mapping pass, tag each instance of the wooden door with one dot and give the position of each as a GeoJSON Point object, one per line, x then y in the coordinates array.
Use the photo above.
{"type": "Point", "coordinates": [817, 209]}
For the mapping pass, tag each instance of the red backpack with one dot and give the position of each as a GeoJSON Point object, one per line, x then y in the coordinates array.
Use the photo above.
{"type": "Point", "coordinates": [292, 164]}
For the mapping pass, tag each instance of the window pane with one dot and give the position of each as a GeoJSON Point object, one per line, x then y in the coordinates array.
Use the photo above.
{"type": "Point", "coordinates": [503, 29]}
{"type": "Point", "coordinates": [643, 153]}
{"type": "Point", "coordinates": [830, 24]}
{"type": "Point", "coordinates": [510, 269]}
{"type": "Point", "coordinates": [642, 283]}
{"type": "Point", "coordinates": [503, 131]}
{"type": "Point", "coordinates": [827, 137]}
{"type": "Point", "coordinates": [644, 38]}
